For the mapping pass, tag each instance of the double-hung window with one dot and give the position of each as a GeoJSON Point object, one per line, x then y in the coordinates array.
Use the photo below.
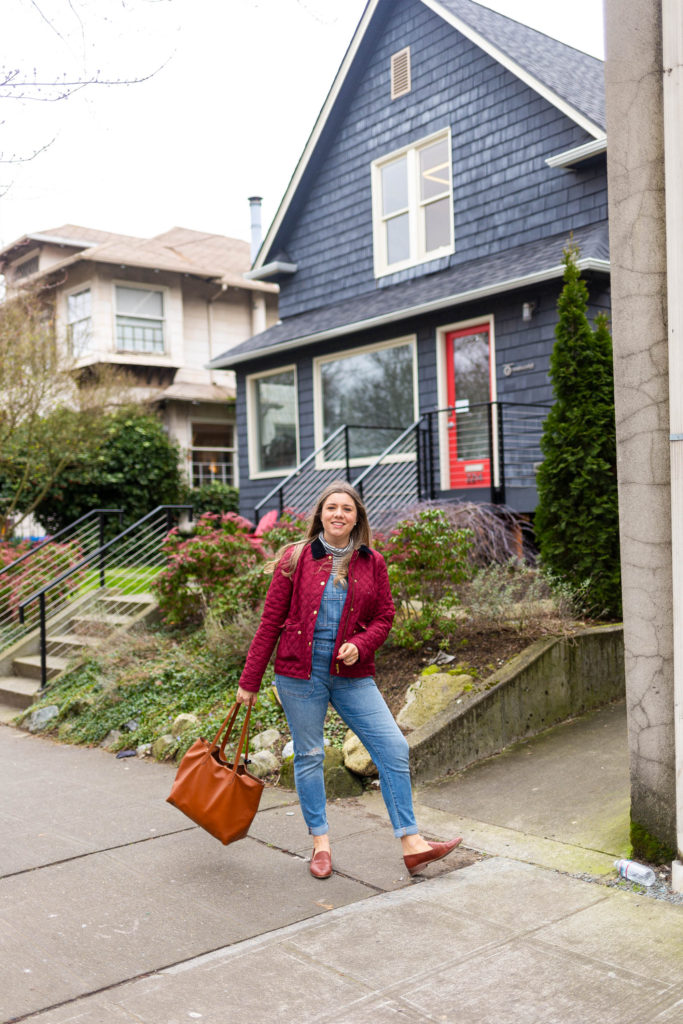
{"type": "Point", "coordinates": [139, 319]}
{"type": "Point", "coordinates": [273, 422]}
{"type": "Point", "coordinates": [412, 193]}
{"type": "Point", "coordinates": [79, 322]}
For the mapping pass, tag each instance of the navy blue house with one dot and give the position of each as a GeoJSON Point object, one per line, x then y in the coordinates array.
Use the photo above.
{"type": "Point", "coordinates": [418, 250]}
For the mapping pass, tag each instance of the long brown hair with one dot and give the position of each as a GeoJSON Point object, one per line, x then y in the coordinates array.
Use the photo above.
{"type": "Point", "coordinates": [360, 534]}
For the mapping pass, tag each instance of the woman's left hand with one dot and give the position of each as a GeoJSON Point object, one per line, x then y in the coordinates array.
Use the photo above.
{"type": "Point", "coordinates": [348, 653]}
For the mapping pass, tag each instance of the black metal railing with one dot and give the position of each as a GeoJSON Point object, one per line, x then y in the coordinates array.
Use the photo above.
{"type": "Point", "coordinates": [336, 458]}
{"type": "Point", "coordinates": [124, 566]}
{"type": "Point", "coordinates": [84, 535]}
{"type": "Point", "coordinates": [486, 451]}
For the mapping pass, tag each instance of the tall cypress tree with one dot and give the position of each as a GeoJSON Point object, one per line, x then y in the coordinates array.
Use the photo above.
{"type": "Point", "coordinates": [576, 523]}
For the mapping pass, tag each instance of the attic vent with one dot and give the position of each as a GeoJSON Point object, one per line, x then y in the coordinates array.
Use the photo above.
{"type": "Point", "coordinates": [400, 73]}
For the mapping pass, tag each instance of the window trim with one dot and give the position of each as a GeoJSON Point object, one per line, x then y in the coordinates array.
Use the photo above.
{"type": "Point", "coordinates": [442, 388]}
{"type": "Point", "coordinates": [417, 256]}
{"type": "Point", "coordinates": [141, 286]}
{"type": "Point", "coordinates": [318, 423]}
{"type": "Point", "coordinates": [252, 426]}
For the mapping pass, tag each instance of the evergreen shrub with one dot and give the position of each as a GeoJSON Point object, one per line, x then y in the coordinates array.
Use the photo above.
{"type": "Point", "coordinates": [576, 520]}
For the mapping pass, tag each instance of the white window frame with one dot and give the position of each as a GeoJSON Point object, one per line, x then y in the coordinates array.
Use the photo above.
{"type": "Point", "coordinates": [418, 254]}
{"type": "Point", "coordinates": [140, 286]}
{"type": "Point", "coordinates": [318, 424]}
{"type": "Point", "coordinates": [442, 391]}
{"type": "Point", "coordinates": [86, 286]}
{"type": "Point", "coordinates": [255, 473]}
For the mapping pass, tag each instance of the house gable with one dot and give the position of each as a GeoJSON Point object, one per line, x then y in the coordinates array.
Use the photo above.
{"type": "Point", "coordinates": [502, 132]}
{"type": "Point", "coordinates": [565, 77]}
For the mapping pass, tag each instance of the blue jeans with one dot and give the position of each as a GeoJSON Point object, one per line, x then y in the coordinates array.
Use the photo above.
{"type": "Point", "coordinates": [360, 704]}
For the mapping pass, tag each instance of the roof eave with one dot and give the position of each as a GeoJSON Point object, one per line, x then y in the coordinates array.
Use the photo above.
{"type": "Point", "coordinates": [550, 273]}
{"type": "Point", "coordinates": [571, 157]}
{"type": "Point", "coordinates": [275, 269]}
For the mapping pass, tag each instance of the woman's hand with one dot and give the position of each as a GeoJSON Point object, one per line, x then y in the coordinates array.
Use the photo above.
{"type": "Point", "coordinates": [348, 653]}
{"type": "Point", "coordinates": [246, 696]}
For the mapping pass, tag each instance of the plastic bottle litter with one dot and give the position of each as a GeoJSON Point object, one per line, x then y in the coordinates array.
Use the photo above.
{"type": "Point", "coordinates": [635, 872]}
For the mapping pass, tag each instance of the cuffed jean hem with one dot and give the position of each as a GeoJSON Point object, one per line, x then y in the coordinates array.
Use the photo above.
{"type": "Point", "coordinates": [407, 831]}
{"type": "Point", "coordinates": [319, 830]}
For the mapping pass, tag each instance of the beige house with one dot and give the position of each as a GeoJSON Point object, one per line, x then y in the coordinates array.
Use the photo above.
{"type": "Point", "coordinates": [161, 307]}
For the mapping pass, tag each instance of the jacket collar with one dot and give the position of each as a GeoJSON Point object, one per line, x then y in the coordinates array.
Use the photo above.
{"type": "Point", "coordinates": [318, 549]}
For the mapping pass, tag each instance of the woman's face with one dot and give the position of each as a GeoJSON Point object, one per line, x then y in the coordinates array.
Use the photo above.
{"type": "Point", "coordinates": [338, 515]}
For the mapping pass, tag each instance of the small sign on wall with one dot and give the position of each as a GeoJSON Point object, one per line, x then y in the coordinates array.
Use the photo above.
{"type": "Point", "coordinates": [510, 368]}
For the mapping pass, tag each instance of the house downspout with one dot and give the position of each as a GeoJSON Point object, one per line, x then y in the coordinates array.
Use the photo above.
{"type": "Point", "coordinates": [672, 88]}
{"type": "Point", "coordinates": [258, 301]}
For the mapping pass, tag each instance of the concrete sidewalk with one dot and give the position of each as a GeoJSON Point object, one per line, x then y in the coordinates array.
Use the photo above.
{"type": "Point", "coordinates": [114, 908]}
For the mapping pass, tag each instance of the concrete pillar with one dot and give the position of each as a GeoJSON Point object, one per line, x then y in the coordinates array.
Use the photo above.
{"type": "Point", "coordinates": [639, 324]}
{"type": "Point", "coordinates": [672, 89]}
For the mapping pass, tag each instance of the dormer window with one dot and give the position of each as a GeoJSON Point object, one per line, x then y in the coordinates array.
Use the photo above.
{"type": "Point", "coordinates": [412, 193]}
{"type": "Point", "coordinates": [139, 319]}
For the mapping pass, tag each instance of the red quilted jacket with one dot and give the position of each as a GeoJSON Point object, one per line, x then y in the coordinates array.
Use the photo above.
{"type": "Point", "coordinates": [292, 605]}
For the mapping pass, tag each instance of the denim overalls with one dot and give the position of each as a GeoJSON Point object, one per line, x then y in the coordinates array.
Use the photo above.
{"type": "Point", "coordinates": [360, 704]}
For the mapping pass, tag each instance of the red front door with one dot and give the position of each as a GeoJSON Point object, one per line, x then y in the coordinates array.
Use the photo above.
{"type": "Point", "coordinates": [469, 376]}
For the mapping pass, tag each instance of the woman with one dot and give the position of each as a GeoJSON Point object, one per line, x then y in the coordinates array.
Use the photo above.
{"type": "Point", "coordinates": [329, 605]}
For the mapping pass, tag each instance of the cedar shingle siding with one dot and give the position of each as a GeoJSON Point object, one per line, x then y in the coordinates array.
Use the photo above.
{"type": "Point", "coordinates": [512, 213]}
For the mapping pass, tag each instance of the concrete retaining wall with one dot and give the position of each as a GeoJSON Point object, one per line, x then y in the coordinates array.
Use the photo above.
{"type": "Point", "coordinates": [550, 681]}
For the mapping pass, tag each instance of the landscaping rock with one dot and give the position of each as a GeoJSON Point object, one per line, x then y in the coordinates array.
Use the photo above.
{"type": "Point", "coordinates": [429, 695]}
{"type": "Point", "coordinates": [162, 746]}
{"type": "Point", "coordinates": [40, 718]}
{"type": "Point", "coordinates": [287, 772]}
{"type": "Point", "coordinates": [339, 781]}
{"type": "Point", "coordinates": [263, 763]}
{"type": "Point", "coordinates": [265, 740]}
{"type": "Point", "coordinates": [144, 750]}
{"type": "Point", "coordinates": [183, 722]}
{"type": "Point", "coordinates": [111, 738]}
{"type": "Point", "coordinates": [356, 757]}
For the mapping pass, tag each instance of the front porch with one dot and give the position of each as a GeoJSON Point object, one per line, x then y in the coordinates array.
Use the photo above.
{"type": "Point", "coordinates": [488, 452]}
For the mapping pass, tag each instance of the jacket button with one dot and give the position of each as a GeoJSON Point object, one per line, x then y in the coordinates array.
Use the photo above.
{"type": "Point", "coordinates": [299, 632]}
{"type": "Point", "coordinates": [322, 583]}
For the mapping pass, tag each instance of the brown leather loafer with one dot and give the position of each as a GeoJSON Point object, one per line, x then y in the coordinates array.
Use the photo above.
{"type": "Point", "coordinates": [417, 861]}
{"type": "Point", "coordinates": [321, 864]}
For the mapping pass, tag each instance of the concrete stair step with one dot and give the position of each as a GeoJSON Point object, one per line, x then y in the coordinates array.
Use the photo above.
{"type": "Point", "coordinates": [73, 642]}
{"type": "Point", "coordinates": [8, 712]}
{"type": "Point", "coordinates": [29, 666]}
{"type": "Point", "coordinates": [122, 601]}
{"type": "Point", "coordinates": [94, 625]}
{"type": "Point", "coordinates": [17, 692]}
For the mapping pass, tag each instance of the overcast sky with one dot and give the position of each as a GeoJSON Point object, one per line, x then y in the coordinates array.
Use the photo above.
{"type": "Point", "coordinates": [237, 88]}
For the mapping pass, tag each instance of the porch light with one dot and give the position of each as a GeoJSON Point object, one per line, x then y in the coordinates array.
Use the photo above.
{"type": "Point", "coordinates": [528, 309]}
